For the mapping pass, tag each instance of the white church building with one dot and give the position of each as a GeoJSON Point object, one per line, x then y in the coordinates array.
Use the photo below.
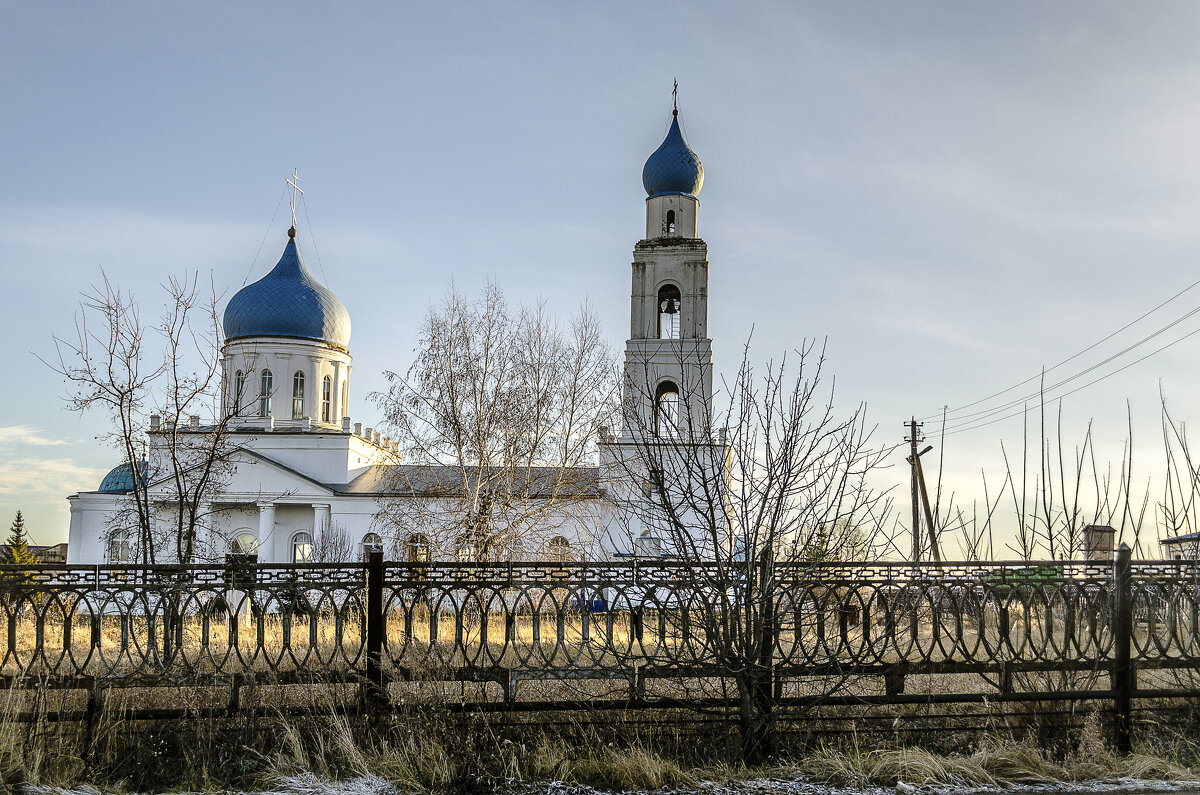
{"type": "Point", "coordinates": [300, 464]}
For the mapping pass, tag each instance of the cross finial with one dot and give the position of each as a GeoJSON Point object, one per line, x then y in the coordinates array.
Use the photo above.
{"type": "Point", "coordinates": [675, 98]}
{"type": "Point", "coordinates": [294, 181]}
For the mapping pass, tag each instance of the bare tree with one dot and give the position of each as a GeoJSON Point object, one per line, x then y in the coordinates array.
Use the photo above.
{"type": "Point", "coordinates": [104, 370]}
{"type": "Point", "coordinates": [154, 383]}
{"type": "Point", "coordinates": [745, 489]}
{"type": "Point", "coordinates": [1051, 491]}
{"type": "Point", "coordinates": [332, 544]}
{"type": "Point", "coordinates": [498, 416]}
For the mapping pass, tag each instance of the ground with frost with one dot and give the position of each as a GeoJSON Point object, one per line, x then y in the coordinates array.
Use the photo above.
{"type": "Point", "coordinates": [310, 785]}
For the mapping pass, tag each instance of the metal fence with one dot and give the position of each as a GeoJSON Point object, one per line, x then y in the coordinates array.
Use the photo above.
{"type": "Point", "coordinates": [528, 636]}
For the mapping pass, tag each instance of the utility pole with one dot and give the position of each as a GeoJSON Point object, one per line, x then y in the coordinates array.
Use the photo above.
{"type": "Point", "coordinates": [913, 438]}
{"type": "Point", "coordinates": [920, 494]}
{"type": "Point", "coordinates": [933, 542]}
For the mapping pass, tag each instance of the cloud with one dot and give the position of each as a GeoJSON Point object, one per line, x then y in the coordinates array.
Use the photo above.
{"type": "Point", "coordinates": [46, 477]}
{"type": "Point", "coordinates": [28, 473]}
{"type": "Point", "coordinates": [15, 435]}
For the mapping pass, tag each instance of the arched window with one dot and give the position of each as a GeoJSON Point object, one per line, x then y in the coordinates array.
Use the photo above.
{"type": "Point", "coordinates": [239, 391]}
{"type": "Point", "coordinates": [464, 549]}
{"type": "Point", "coordinates": [668, 312]}
{"type": "Point", "coordinates": [666, 410]}
{"type": "Point", "coordinates": [244, 543]}
{"type": "Point", "coordinates": [326, 398]}
{"type": "Point", "coordinates": [369, 542]}
{"type": "Point", "coordinates": [264, 394]}
{"type": "Point", "coordinates": [302, 548]}
{"type": "Point", "coordinates": [298, 395]}
{"type": "Point", "coordinates": [560, 549]}
{"type": "Point", "coordinates": [417, 548]}
{"type": "Point", "coordinates": [670, 222]}
{"type": "Point", "coordinates": [120, 550]}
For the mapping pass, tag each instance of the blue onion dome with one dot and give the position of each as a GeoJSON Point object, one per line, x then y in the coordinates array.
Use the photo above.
{"type": "Point", "coordinates": [288, 302]}
{"type": "Point", "coordinates": [674, 167]}
{"type": "Point", "coordinates": [120, 479]}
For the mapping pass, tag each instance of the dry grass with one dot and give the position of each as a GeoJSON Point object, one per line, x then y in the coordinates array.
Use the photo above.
{"type": "Point", "coordinates": [620, 768]}
{"type": "Point", "coordinates": [1005, 762]}
{"type": "Point", "coordinates": [427, 750]}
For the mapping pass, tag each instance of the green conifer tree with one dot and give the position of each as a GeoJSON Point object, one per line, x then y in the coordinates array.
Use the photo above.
{"type": "Point", "coordinates": [18, 552]}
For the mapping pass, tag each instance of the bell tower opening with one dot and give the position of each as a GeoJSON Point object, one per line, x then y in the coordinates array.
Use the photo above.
{"type": "Point", "coordinates": [666, 410]}
{"type": "Point", "coordinates": [669, 305]}
{"type": "Point", "coordinates": [670, 222]}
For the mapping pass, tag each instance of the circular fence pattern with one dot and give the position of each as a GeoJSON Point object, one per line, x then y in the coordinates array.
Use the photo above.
{"type": "Point", "coordinates": [555, 619]}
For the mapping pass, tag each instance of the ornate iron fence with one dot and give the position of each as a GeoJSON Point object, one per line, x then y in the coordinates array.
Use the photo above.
{"type": "Point", "coordinates": [558, 633]}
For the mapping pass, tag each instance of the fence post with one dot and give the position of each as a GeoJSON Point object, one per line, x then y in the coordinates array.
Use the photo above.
{"type": "Point", "coordinates": [375, 627]}
{"type": "Point", "coordinates": [1122, 672]}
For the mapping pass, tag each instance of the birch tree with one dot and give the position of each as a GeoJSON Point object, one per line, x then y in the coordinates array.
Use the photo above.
{"type": "Point", "coordinates": [498, 419]}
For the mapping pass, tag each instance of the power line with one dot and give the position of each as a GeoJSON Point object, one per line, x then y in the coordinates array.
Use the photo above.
{"type": "Point", "coordinates": [1071, 358]}
{"type": "Point", "coordinates": [250, 270]}
{"type": "Point", "coordinates": [976, 416]}
{"type": "Point", "coordinates": [963, 429]}
{"type": "Point", "coordinates": [313, 238]}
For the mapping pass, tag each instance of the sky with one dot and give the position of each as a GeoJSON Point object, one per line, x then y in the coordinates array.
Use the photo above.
{"type": "Point", "coordinates": [955, 195]}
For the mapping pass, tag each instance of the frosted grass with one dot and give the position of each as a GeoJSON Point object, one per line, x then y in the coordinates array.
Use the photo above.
{"type": "Point", "coordinates": [371, 785]}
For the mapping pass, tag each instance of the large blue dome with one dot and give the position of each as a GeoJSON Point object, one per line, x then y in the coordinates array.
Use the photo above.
{"type": "Point", "coordinates": [288, 302]}
{"type": "Point", "coordinates": [674, 167]}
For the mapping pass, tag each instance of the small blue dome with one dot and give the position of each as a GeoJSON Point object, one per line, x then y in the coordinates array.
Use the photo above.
{"type": "Point", "coordinates": [120, 479]}
{"type": "Point", "coordinates": [674, 167]}
{"type": "Point", "coordinates": [288, 302]}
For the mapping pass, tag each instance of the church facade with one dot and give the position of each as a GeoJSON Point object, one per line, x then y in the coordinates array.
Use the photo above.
{"type": "Point", "coordinates": [305, 481]}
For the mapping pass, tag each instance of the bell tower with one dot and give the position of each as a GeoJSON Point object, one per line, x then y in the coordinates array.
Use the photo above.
{"type": "Point", "coordinates": [668, 357]}
{"type": "Point", "coordinates": [664, 473]}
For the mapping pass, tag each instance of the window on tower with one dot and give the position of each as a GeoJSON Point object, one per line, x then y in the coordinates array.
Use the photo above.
{"type": "Point", "coordinates": [326, 398]}
{"type": "Point", "coordinates": [264, 394]}
{"type": "Point", "coordinates": [670, 222]}
{"type": "Point", "coordinates": [298, 395]}
{"type": "Point", "coordinates": [669, 304]}
{"type": "Point", "coordinates": [666, 410]}
{"type": "Point", "coordinates": [239, 391]}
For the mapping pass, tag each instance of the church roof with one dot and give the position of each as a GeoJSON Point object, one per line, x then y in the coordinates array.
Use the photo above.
{"type": "Point", "coordinates": [415, 480]}
{"type": "Point", "coordinates": [288, 302]}
{"type": "Point", "coordinates": [673, 168]}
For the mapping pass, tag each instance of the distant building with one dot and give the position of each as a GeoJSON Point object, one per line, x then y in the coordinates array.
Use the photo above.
{"type": "Point", "coordinates": [1099, 542]}
{"type": "Point", "coordinates": [52, 554]}
{"type": "Point", "coordinates": [1184, 547]}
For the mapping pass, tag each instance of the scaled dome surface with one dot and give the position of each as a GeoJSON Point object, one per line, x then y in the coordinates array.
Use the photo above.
{"type": "Point", "coordinates": [673, 168]}
{"type": "Point", "coordinates": [288, 302]}
{"type": "Point", "coordinates": [119, 480]}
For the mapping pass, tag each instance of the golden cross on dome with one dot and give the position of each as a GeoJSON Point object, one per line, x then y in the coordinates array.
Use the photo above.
{"type": "Point", "coordinates": [294, 181]}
